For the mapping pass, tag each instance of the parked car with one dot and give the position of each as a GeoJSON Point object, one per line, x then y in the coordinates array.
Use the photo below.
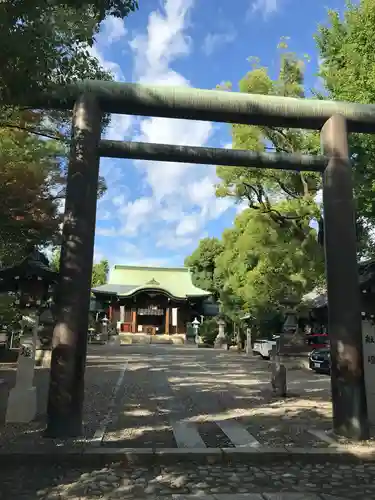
{"type": "Point", "coordinates": [317, 340]}
{"type": "Point", "coordinates": [320, 360]}
{"type": "Point", "coordinates": [3, 338]}
{"type": "Point", "coordinates": [263, 347]}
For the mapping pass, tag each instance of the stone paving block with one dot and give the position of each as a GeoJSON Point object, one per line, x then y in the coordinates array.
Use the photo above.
{"type": "Point", "coordinates": [331, 497]}
{"type": "Point", "coordinates": [239, 496]}
{"type": "Point", "coordinates": [189, 497]}
{"type": "Point", "coordinates": [291, 496]}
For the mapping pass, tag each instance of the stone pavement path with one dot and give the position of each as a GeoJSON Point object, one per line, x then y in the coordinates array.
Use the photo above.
{"type": "Point", "coordinates": [188, 398]}
{"type": "Point", "coordinates": [118, 481]}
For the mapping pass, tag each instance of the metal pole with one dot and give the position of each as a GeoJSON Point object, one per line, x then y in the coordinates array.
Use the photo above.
{"type": "Point", "coordinates": [66, 390]}
{"type": "Point", "coordinates": [344, 310]}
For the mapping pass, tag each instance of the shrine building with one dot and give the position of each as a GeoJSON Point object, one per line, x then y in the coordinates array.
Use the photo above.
{"type": "Point", "coordinates": [152, 300]}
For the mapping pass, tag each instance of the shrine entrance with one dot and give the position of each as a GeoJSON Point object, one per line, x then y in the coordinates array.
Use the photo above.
{"type": "Point", "coordinates": [89, 101]}
{"type": "Point", "coordinates": [151, 320]}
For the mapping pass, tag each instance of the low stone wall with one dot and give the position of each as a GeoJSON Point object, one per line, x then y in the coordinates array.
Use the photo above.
{"type": "Point", "coordinates": [142, 338]}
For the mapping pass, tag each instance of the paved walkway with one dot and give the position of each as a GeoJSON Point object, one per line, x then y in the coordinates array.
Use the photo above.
{"type": "Point", "coordinates": [184, 398]}
{"type": "Point", "coordinates": [193, 398]}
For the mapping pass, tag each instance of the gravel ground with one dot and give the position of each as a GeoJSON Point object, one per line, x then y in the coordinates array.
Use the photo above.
{"type": "Point", "coordinates": [140, 417]}
{"type": "Point", "coordinates": [102, 372]}
{"type": "Point", "coordinates": [163, 385]}
{"type": "Point", "coordinates": [285, 435]}
{"type": "Point", "coordinates": [117, 481]}
{"type": "Point", "coordinates": [213, 436]}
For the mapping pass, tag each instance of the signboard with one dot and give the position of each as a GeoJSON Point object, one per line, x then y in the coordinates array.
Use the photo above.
{"type": "Point", "coordinates": [368, 344]}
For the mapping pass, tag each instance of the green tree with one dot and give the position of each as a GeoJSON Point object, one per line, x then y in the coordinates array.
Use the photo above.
{"type": "Point", "coordinates": [47, 42]}
{"type": "Point", "coordinates": [202, 264]}
{"type": "Point", "coordinates": [43, 43]}
{"type": "Point", "coordinates": [30, 177]}
{"type": "Point", "coordinates": [346, 45]}
{"type": "Point", "coordinates": [272, 253]}
{"type": "Point", "coordinates": [100, 273]}
{"type": "Point", "coordinates": [55, 259]}
{"type": "Point", "coordinates": [263, 265]}
{"type": "Point", "coordinates": [262, 189]}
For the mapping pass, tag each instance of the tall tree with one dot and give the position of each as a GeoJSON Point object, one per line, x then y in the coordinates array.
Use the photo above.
{"type": "Point", "coordinates": [264, 265]}
{"type": "Point", "coordinates": [42, 43]}
{"type": "Point", "coordinates": [272, 254]}
{"type": "Point", "coordinates": [30, 178]}
{"type": "Point", "coordinates": [261, 189]}
{"type": "Point", "coordinates": [346, 45]}
{"type": "Point", "coordinates": [46, 42]}
{"type": "Point", "coordinates": [264, 253]}
{"type": "Point", "coordinates": [202, 264]}
{"type": "Point", "coordinates": [100, 273]}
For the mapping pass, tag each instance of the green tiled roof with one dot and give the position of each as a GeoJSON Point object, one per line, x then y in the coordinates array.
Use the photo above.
{"type": "Point", "coordinates": [127, 280]}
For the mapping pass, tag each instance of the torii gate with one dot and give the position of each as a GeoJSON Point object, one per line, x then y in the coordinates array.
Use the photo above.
{"type": "Point", "coordinates": [89, 100]}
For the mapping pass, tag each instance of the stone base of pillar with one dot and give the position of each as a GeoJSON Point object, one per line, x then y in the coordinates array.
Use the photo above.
{"type": "Point", "coordinates": [220, 341]}
{"type": "Point", "coordinates": [278, 380]}
{"type": "Point", "coordinates": [221, 344]}
{"type": "Point", "coordinates": [22, 405]}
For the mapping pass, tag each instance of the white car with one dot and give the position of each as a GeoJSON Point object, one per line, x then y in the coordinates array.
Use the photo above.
{"type": "Point", "coordinates": [263, 347]}
{"type": "Point", "coordinates": [3, 338]}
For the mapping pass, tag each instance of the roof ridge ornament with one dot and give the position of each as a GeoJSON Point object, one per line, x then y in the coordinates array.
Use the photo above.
{"type": "Point", "coordinates": [152, 282]}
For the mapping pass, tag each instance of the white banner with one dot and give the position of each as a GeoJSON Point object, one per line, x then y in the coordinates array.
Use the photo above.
{"type": "Point", "coordinates": [174, 316]}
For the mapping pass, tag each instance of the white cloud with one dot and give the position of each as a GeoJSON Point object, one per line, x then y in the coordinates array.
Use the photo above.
{"type": "Point", "coordinates": [179, 199]}
{"type": "Point", "coordinates": [112, 30]}
{"type": "Point", "coordinates": [165, 41]}
{"type": "Point", "coordinates": [189, 224]}
{"type": "Point", "coordinates": [265, 7]}
{"type": "Point", "coordinates": [213, 41]}
{"type": "Point", "coordinates": [119, 127]}
{"type": "Point", "coordinates": [137, 213]}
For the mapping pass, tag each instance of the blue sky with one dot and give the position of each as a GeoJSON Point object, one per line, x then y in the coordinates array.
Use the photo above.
{"type": "Point", "coordinates": [155, 213]}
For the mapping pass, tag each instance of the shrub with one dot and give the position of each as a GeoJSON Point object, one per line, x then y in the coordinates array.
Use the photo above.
{"type": "Point", "coordinates": [208, 331]}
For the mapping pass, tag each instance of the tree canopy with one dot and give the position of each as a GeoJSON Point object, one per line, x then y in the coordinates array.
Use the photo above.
{"type": "Point", "coordinates": [271, 255]}
{"type": "Point", "coordinates": [47, 42]}
{"type": "Point", "coordinates": [42, 43]}
{"type": "Point", "coordinates": [31, 179]}
{"type": "Point", "coordinates": [346, 46]}
{"type": "Point", "coordinates": [202, 264]}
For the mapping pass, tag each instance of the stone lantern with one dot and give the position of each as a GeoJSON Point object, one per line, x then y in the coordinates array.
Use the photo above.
{"type": "Point", "coordinates": [195, 325]}
{"type": "Point", "coordinates": [31, 282]}
{"type": "Point", "coordinates": [220, 339]}
{"type": "Point", "coordinates": [105, 325]}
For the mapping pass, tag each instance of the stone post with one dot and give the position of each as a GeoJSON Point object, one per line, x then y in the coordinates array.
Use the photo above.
{"type": "Point", "coordinates": [22, 401]}
{"type": "Point", "coordinates": [278, 373]}
{"type": "Point", "coordinates": [249, 348]}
